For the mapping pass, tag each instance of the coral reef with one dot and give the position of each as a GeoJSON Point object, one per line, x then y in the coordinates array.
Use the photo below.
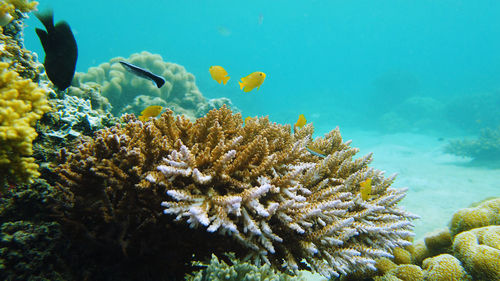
{"type": "Point", "coordinates": [11, 10]}
{"type": "Point", "coordinates": [256, 184]}
{"type": "Point", "coordinates": [238, 271]}
{"type": "Point", "coordinates": [484, 214]}
{"type": "Point", "coordinates": [30, 239]}
{"type": "Point", "coordinates": [485, 148]}
{"type": "Point", "coordinates": [131, 94]}
{"type": "Point", "coordinates": [20, 60]}
{"type": "Point", "coordinates": [479, 251]}
{"type": "Point", "coordinates": [22, 103]}
{"type": "Point", "coordinates": [444, 267]}
{"type": "Point", "coordinates": [70, 118]}
{"type": "Point", "coordinates": [469, 250]}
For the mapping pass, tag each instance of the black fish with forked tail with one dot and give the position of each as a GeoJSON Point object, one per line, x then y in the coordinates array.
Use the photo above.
{"type": "Point", "coordinates": [141, 72]}
{"type": "Point", "coordinates": [60, 49]}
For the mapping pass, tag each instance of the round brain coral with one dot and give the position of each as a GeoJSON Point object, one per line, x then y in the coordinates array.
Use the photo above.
{"type": "Point", "coordinates": [486, 213]}
{"type": "Point", "coordinates": [479, 251]}
{"type": "Point", "coordinates": [444, 267]}
{"type": "Point", "coordinates": [254, 185]}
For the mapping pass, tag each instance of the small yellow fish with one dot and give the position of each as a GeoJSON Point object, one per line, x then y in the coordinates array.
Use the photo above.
{"type": "Point", "coordinates": [219, 74]}
{"type": "Point", "coordinates": [246, 119]}
{"type": "Point", "coordinates": [150, 111]}
{"type": "Point", "coordinates": [366, 189]}
{"type": "Point", "coordinates": [316, 151]}
{"type": "Point", "coordinates": [252, 81]}
{"type": "Point", "coordinates": [301, 122]}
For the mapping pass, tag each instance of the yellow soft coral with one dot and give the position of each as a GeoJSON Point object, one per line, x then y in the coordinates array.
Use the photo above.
{"type": "Point", "coordinates": [6, 11]}
{"type": "Point", "coordinates": [24, 6]}
{"type": "Point", "coordinates": [22, 103]}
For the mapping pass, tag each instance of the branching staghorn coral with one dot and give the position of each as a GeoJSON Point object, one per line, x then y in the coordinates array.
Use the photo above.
{"type": "Point", "coordinates": [128, 93]}
{"type": "Point", "coordinates": [256, 184]}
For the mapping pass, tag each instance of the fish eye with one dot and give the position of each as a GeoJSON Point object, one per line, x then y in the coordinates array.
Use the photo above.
{"type": "Point", "coordinates": [260, 74]}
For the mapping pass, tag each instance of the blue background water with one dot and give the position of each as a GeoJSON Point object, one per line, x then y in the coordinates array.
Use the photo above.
{"type": "Point", "coordinates": [322, 58]}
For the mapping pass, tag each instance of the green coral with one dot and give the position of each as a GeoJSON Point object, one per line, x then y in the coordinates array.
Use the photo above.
{"type": "Point", "coordinates": [217, 270]}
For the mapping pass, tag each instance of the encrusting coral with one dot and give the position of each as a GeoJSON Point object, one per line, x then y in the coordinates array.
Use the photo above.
{"type": "Point", "coordinates": [22, 103]}
{"type": "Point", "coordinates": [217, 270]}
{"type": "Point", "coordinates": [131, 94]}
{"type": "Point", "coordinates": [257, 184]}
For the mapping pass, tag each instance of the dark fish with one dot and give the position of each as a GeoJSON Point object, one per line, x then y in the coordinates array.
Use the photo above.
{"type": "Point", "coordinates": [60, 49]}
{"type": "Point", "coordinates": [141, 72]}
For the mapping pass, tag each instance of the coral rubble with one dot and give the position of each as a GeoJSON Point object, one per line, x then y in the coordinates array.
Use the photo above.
{"type": "Point", "coordinates": [131, 94]}
{"type": "Point", "coordinates": [256, 184]}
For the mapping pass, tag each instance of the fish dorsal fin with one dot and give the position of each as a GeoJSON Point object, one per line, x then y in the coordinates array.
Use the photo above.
{"type": "Point", "coordinates": [47, 19]}
{"type": "Point", "coordinates": [42, 34]}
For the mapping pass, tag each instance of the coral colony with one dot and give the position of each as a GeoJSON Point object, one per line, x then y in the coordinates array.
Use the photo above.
{"type": "Point", "coordinates": [256, 183]}
{"type": "Point", "coordinates": [143, 198]}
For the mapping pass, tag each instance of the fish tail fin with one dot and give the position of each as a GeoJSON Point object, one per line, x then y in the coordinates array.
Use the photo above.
{"type": "Point", "coordinates": [225, 79]}
{"type": "Point", "coordinates": [241, 85]}
{"type": "Point", "coordinates": [159, 81]}
{"type": "Point", "coordinates": [47, 18]}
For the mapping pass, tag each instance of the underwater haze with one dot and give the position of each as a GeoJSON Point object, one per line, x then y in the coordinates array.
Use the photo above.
{"type": "Point", "coordinates": [322, 58]}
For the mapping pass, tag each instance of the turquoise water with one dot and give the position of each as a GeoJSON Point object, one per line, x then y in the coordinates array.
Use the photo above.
{"type": "Point", "coordinates": [322, 58]}
{"type": "Point", "coordinates": [400, 78]}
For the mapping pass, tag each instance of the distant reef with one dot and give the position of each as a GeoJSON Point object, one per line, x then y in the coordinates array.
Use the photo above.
{"type": "Point", "coordinates": [485, 149]}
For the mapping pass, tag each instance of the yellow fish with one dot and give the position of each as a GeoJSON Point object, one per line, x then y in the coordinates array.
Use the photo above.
{"type": "Point", "coordinates": [366, 189]}
{"type": "Point", "coordinates": [300, 123]}
{"type": "Point", "coordinates": [219, 74]}
{"type": "Point", "coordinates": [246, 119]}
{"type": "Point", "coordinates": [150, 111]}
{"type": "Point", "coordinates": [252, 81]}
